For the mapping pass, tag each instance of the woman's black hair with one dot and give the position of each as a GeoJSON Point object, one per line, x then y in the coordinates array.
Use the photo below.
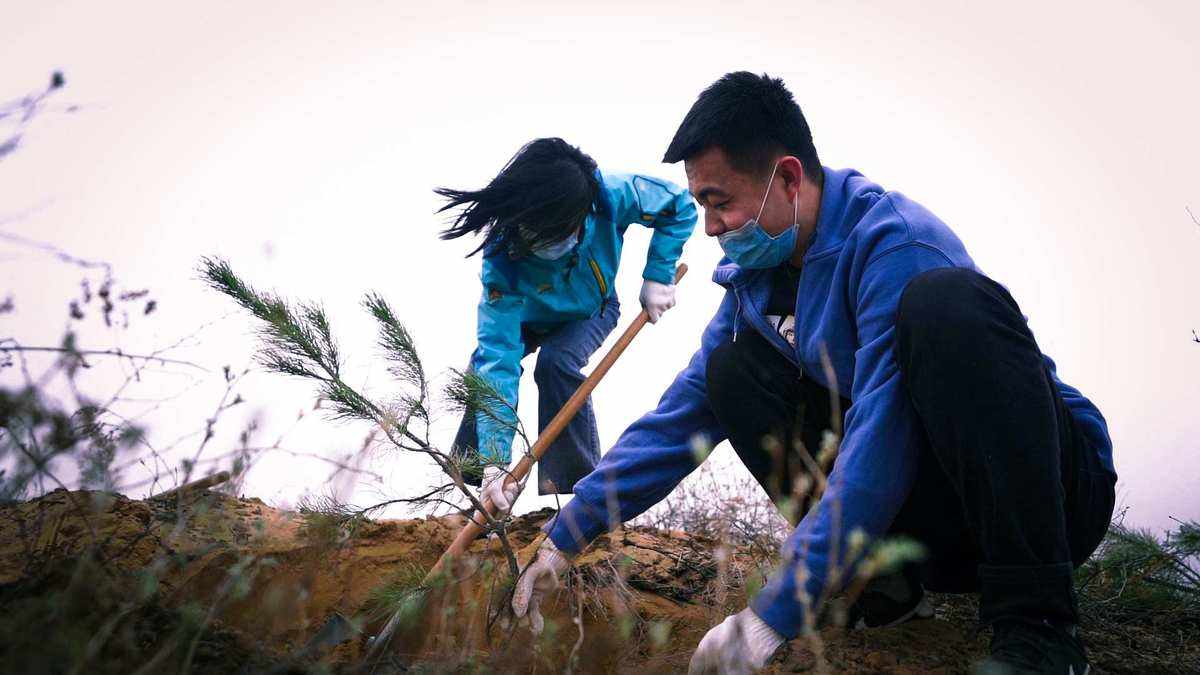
{"type": "Point", "coordinates": [547, 189]}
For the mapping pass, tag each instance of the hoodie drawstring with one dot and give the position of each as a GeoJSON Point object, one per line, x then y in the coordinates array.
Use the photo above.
{"type": "Point", "coordinates": [738, 314]}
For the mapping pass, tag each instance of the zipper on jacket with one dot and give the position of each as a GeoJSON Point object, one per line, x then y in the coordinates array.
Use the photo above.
{"type": "Point", "coordinates": [772, 337]}
{"type": "Point", "coordinates": [599, 277]}
{"type": "Point", "coordinates": [601, 283]}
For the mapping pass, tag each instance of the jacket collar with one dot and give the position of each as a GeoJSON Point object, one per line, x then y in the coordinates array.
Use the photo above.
{"type": "Point", "coordinates": [831, 227]}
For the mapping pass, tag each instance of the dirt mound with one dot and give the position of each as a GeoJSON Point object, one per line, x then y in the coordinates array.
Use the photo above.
{"type": "Point", "coordinates": [219, 584]}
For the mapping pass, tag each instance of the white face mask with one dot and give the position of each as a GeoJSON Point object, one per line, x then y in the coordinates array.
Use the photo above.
{"type": "Point", "coordinates": [556, 250]}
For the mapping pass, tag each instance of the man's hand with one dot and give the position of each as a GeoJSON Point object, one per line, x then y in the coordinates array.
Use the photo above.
{"type": "Point", "coordinates": [538, 578]}
{"type": "Point", "coordinates": [657, 298]}
{"type": "Point", "coordinates": [503, 494]}
{"type": "Point", "coordinates": [740, 644]}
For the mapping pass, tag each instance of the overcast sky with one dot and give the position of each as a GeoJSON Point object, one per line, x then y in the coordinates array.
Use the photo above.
{"type": "Point", "coordinates": [302, 142]}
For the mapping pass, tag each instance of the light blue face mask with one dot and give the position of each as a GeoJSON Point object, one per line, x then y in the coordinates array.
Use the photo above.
{"type": "Point", "coordinates": [752, 248]}
{"type": "Point", "coordinates": [555, 250]}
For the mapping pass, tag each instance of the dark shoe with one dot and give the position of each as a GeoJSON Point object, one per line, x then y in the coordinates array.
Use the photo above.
{"type": "Point", "coordinates": [1021, 646]}
{"type": "Point", "coordinates": [889, 601]}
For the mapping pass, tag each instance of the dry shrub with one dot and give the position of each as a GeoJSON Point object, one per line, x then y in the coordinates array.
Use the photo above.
{"type": "Point", "coordinates": [722, 501]}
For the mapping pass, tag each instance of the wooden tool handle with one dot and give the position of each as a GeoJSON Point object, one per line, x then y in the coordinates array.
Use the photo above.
{"type": "Point", "coordinates": [477, 524]}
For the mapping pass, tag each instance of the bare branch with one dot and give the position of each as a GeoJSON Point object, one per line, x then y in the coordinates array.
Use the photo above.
{"type": "Point", "coordinates": [57, 252]}
{"type": "Point", "coordinates": [103, 352]}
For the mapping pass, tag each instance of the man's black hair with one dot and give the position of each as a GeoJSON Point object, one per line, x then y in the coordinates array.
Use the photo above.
{"type": "Point", "coordinates": [753, 119]}
{"type": "Point", "coordinates": [547, 189]}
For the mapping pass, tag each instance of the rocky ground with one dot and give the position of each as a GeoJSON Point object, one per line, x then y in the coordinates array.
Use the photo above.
{"type": "Point", "coordinates": [94, 582]}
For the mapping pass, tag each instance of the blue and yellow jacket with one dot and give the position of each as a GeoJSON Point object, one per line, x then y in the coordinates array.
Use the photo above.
{"type": "Point", "coordinates": [540, 293]}
{"type": "Point", "coordinates": [869, 242]}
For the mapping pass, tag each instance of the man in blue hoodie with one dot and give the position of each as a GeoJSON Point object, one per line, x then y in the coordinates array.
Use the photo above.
{"type": "Point", "coordinates": [853, 314]}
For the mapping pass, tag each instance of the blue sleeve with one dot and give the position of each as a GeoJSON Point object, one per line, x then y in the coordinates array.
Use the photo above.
{"type": "Point", "coordinates": [1090, 420]}
{"type": "Point", "coordinates": [876, 461]}
{"type": "Point", "coordinates": [666, 208]}
{"type": "Point", "coordinates": [654, 453]}
{"type": "Point", "coordinates": [497, 359]}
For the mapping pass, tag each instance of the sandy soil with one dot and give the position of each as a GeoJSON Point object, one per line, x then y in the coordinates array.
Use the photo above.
{"type": "Point", "coordinates": [221, 584]}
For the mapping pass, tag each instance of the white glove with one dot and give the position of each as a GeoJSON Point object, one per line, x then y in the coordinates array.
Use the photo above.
{"type": "Point", "coordinates": [538, 578]}
{"type": "Point", "coordinates": [657, 298]}
{"type": "Point", "coordinates": [742, 643]}
{"type": "Point", "coordinates": [494, 487]}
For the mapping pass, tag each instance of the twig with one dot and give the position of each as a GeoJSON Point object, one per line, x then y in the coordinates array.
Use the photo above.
{"type": "Point", "coordinates": [578, 621]}
{"type": "Point", "coordinates": [200, 484]}
{"type": "Point", "coordinates": [56, 252]}
{"type": "Point", "coordinates": [102, 352]}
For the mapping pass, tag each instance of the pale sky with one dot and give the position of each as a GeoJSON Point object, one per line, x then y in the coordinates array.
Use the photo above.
{"type": "Point", "coordinates": [302, 141]}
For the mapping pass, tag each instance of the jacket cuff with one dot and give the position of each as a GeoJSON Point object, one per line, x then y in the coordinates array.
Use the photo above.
{"type": "Point", "coordinates": [494, 455]}
{"type": "Point", "coordinates": [494, 447]}
{"type": "Point", "coordinates": [573, 528]}
{"type": "Point", "coordinates": [663, 274]}
{"type": "Point", "coordinates": [784, 614]}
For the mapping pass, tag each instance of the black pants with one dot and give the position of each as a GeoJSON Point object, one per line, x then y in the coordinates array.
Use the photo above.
{"type": "Point", "coordinates": [1009, 496]}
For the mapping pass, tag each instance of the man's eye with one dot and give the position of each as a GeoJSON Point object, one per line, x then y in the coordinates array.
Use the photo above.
{"type": "Point", "coordinates": [722, 205]}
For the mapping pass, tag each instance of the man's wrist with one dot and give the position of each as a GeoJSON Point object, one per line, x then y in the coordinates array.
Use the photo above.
{"type": "Point", "coordinates": [762, 640]}
{"type": "Point", "coordinates": [551, 554]}
{"type": "Point", "coordinates": [493, 471]}
{"type": "Point", "coordinates": [568, 543]}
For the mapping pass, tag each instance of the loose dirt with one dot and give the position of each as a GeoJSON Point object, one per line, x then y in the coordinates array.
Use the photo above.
{"type": "Point", "coordinates": [221, 584]}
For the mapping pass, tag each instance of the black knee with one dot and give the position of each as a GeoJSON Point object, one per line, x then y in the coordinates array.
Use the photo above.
{"type": "Point", "coordinates": [943, 298]}
{"type": "Point", "coordinates": [949, 309]}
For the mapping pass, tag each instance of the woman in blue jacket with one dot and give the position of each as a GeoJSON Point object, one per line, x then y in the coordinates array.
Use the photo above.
{"type": "Point", "coordinates": [552, 227]}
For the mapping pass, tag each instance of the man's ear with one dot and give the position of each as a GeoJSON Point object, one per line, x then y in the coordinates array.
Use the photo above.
{"type": "Point", "coordinates": [791, 169]}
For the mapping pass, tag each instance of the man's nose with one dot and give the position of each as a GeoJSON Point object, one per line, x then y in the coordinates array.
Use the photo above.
{"type": "Point", "coordinates": [713, 225]}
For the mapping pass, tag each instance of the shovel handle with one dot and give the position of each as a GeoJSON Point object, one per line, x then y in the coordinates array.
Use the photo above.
{"type": "Point", "coordinates": [477, 524]}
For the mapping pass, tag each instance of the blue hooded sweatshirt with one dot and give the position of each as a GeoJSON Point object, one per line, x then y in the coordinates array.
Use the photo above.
{"type": "Point", "coordinates": [868, 243]}
{"type": "Point", "coordinates": [541, 293]}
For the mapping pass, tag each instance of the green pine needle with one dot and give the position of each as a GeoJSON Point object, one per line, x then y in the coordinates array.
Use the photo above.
{"type": "Point", "coordinates": [396, 342]}
{"type": "Point", "coordinates": [296, 341]}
